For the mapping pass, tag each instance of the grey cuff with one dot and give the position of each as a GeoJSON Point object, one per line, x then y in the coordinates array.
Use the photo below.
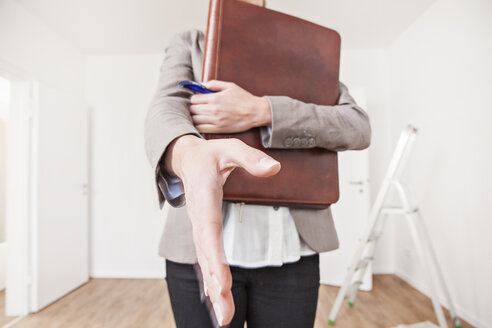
{"type": "Point", "coordinates": [286, 120]}
{"type": "Point", "coordinates": [170, 188]}
{"type": "Point", "coordinates": [266, 131]}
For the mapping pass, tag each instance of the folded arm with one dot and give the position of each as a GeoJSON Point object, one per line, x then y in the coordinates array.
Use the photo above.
{"type": "Point", "coordinates": [296, 124]}
{"type": "Point", "coordinates": [284, 122]}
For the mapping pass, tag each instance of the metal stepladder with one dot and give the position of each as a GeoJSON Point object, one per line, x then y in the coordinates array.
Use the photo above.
{"type": "Point", "coordinates": [377, 217]}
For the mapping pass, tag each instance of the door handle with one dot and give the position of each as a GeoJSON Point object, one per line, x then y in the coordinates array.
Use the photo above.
{"type": "Point", "coordinates": [85, 189]}
{"type": "Point", "coordinates": [360, 182]}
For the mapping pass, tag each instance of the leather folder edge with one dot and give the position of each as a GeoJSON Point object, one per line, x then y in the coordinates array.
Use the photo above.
{"type": "Point", "coordinates": [211, 41]}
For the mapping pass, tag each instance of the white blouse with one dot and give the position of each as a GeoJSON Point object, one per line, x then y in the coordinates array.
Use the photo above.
{"type": "Point", "coordinates": [257, 236]}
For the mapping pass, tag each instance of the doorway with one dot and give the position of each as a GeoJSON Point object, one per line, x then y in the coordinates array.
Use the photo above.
{"type": "Point", "coordinates": [16, 108]}
{"type": "Point", "coordinates": [5, 102]}
{"type": "Point", "coordinates": [4, 112]}
{"type": "Point", "coordinates": [45, 190]}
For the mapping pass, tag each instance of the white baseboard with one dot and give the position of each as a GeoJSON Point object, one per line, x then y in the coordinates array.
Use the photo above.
{"type": "Point", "coordinates": [462, 313]}
{"type": "Point", "coordinates": [14, 321]}
{"type": "Point", "coordinates": [381, 269]}
{"type": "Point", "coordinates": [129, 274]}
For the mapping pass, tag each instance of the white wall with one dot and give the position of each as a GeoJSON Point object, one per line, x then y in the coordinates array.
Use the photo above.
{"type": "Point", "coordinates": [125, 219]}
{"type": "Point", "coordinates": [368, 68]}
{"type": "Point", "coordinates": [30, 45]}
{"type": "Point", "coordinates": [4, 106]}
{"type": "Point", "coordinates": [3, 162]}
{"type": "Point", "coordinates": [4, 109]}
{"type": "Point", "coordinates": [441, 81]}
{"type": "Point", "coordinates": [362, 24]}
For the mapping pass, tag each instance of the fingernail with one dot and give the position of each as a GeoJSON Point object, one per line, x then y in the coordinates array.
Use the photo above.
{"type": "Point", "coordinates": [205, 289]}
{"type": "Point", "coordinates": [268, 162]}
{"type": "Point", "coordinates": [218, 314]}
{"type": "Point", "coordinates": [216, 281]}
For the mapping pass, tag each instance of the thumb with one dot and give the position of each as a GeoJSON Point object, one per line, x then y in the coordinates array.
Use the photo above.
{"type": "Point", "coordinates": [254, 161]}
{"type": "Point", "coordinates": [216, 85]}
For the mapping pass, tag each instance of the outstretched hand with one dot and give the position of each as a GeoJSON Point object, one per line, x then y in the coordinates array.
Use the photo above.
{"type": "Point", "coordinates": [203, 166]}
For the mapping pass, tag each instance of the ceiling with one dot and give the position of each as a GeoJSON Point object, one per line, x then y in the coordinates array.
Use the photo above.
{"type": "Point", "coordinates": [145, 26]}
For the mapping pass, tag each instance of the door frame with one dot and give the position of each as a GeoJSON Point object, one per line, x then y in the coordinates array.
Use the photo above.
{"type": "Point", "coordinates": [20, 198]}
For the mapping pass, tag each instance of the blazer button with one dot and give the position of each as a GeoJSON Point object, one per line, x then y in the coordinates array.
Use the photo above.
{"type": "Point", "coordinates": [311, 141]}
{"type": "Point", "coordinates": [296, 141]}
{"type": "Point", "coordinates": [288, 142]}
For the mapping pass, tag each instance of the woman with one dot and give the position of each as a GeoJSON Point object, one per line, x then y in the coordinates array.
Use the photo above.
{"type": "Point", "coordinates": [273, 279]}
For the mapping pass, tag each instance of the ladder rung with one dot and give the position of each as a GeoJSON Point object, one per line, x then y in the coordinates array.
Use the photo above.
{"type": "Point", "coordinates": [393, 210]}
{"type": "Point", "coordinates": [353, 289]}
{"type": "Point", "coordinates": [363, 263]}
{"type": "Point", "coordinates": [374, 237]}
{"type": "Point", "coordinates": [398, 210]}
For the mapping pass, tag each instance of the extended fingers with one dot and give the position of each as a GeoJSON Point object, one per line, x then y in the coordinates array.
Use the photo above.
{"type": "Point", "coordinates": [219, 301]}
{"type": "Point", "coordinates": [218, 269]}
{"type": "Point", "coordinates": [206, 215]}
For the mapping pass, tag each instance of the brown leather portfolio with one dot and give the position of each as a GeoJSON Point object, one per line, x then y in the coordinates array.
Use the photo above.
{"type": "Point", "coordinates": [270, 53]}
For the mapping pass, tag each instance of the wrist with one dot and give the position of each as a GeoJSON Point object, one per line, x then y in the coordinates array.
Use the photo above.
{"type": "Point", "coordinates": [176, 150]}
{"type": "Point", "coordinates": [264, 112]}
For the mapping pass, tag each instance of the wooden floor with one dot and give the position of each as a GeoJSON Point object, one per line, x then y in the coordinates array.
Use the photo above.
{"type": "Point", "coordinates": [108, 303]}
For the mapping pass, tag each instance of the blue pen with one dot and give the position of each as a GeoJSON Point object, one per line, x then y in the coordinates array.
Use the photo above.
{"type": "Point", "coordinates": [195, 86]}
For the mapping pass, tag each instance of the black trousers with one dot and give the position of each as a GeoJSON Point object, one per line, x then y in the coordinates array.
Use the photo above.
{"type": "Point", "coordinates": [268, 297]}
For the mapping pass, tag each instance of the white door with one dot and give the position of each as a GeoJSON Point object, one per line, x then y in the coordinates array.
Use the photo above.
{"type": "Point", "coordinates": [59, 221]}
{"type": "Point", "coordinates": [350, 212]}
{"type": "Point", "coordinates": [18, 195]}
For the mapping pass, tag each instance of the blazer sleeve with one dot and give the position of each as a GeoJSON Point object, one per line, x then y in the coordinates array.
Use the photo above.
{"type": "Point", "coordinates": [296, 124]}
{"type": "Point", "coordinates": [168, 117]}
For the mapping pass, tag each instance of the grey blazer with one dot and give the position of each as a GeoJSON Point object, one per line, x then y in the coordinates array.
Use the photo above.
{"type": "Point", "coordinates": [341, 127]}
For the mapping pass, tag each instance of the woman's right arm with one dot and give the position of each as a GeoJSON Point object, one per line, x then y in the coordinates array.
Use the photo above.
{"type": "Point", "coordinates": [200, 167]}
{"type": "Point", "coordinates": [168, 116]}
